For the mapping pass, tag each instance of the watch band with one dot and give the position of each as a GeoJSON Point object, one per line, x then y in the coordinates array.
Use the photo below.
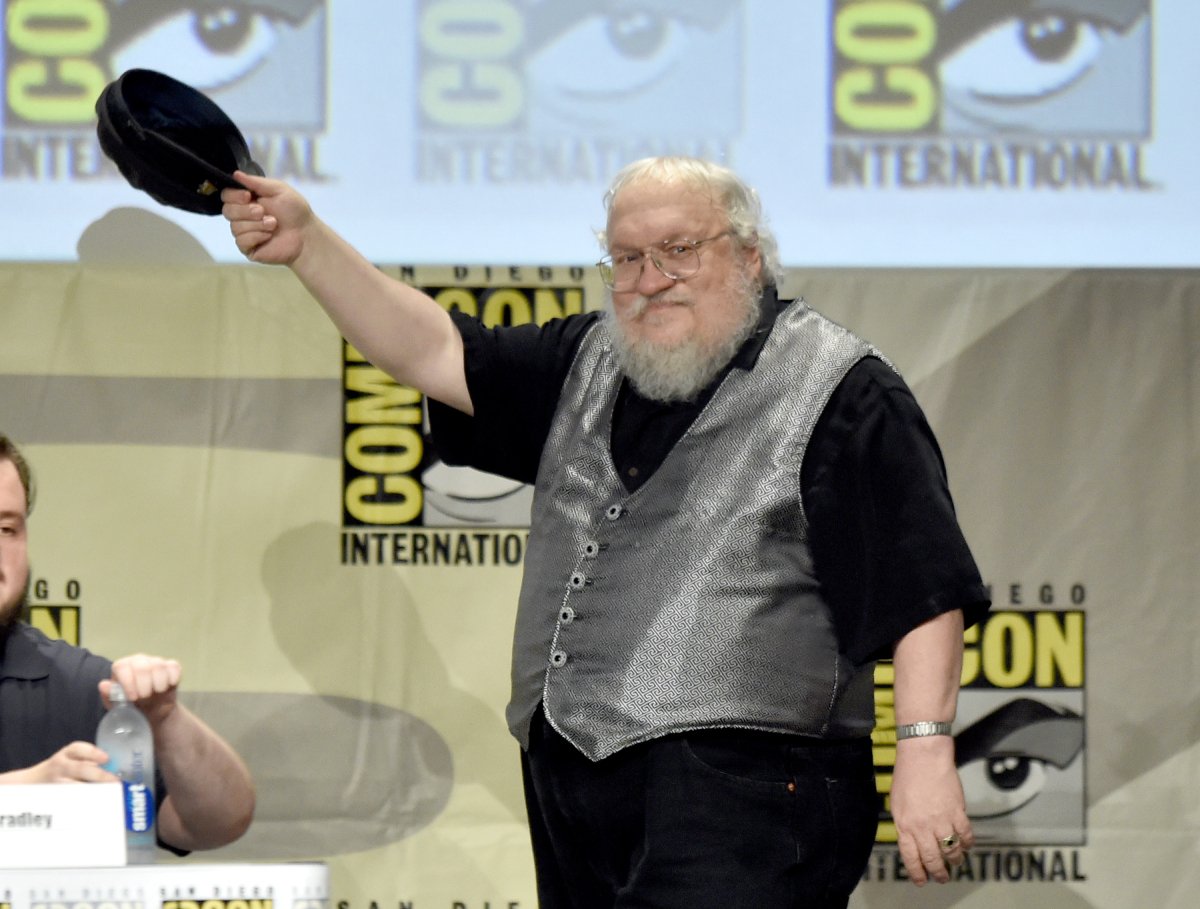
{"type": "Point", "coordinates": [917, 730]}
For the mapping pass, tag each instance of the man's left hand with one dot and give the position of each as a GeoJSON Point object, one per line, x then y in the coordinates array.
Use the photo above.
{"type": "Point", "coordinates": [933, 830]}
{"type": "Point", "coordinates": [150, 682]}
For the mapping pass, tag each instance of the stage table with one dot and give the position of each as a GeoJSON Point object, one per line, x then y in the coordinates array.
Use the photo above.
{"type": "Point", "coordinates": [295, 885]}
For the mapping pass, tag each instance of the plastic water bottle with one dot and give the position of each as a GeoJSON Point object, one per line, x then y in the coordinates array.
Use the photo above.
{"type": "Point", "coordinates": [124, 735]}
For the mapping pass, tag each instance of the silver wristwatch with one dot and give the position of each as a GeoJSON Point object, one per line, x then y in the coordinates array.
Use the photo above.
{"type": "Point", "coordinates": [917, 730]}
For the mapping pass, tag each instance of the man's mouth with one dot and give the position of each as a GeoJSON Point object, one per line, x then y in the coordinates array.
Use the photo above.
{"type": "Point", "coordinates": [654, 304]}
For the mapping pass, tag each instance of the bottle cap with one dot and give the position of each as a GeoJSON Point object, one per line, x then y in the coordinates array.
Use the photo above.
{"type": "Point", "coordinates": [116, 694]}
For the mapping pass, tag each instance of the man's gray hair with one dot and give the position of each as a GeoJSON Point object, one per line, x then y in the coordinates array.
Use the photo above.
{"type": "Point", "coordinates": [734, 196]}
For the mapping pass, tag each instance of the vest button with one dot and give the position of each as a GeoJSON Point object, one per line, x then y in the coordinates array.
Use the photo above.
{"type": "Point", "coordinates": [578, 580]}
{"type": "Point", "coordinates": [614, 512]}
{"type": "Point", "coordinates": [558, 658]}
{"type": "Point", "coordinates": [591, 549]}
{"type": "Point", "coordinates": [566, 615]}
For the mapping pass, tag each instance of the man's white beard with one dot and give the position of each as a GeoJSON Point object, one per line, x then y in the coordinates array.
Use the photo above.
{"type": "Point", "coordinates": [680, 371]}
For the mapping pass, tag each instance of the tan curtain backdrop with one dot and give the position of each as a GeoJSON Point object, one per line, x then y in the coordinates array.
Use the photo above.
{"type": "Point", "coordinates": [225, 482]}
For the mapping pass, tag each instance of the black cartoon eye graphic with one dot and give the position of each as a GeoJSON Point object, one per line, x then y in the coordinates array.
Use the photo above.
{"type": "Point", "coordinates": [633, 52]}
{"type": "Point", "coordinates": [637, 34]}
{"type": "Point", "coordinates": [470, 495]}
{"type": "Point", "coordinates": [226, 30]}
{"type": "Point", "coordinates": [203, 53]}
{"type": "Point", "coordinates": [632, 49]}
{"type": "Point", "coordinates": [1001, 785]}
{"type": "Point", "coordinates": [1025, 60]}
{"type": "Point", "coordinates": [1003, 757]}
{"type": "Point", "coordinates": [205, 44]}
{"type": "Point", "coordinates": [1050, 38]}
{"type": "Point", "coordinates": [1009, 771]}
{"type": "Point", "coordinates": [1017, 52]}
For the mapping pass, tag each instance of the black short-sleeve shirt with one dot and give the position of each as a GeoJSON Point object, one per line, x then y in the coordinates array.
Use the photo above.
{"type": "Point", "coordinates": [887, 547]}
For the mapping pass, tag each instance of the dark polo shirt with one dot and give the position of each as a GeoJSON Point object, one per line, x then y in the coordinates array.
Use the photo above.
{"type": "Point", "coordinates": [48, 696]}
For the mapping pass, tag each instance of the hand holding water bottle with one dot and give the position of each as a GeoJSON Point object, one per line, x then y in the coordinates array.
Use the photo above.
{"type": "Point", "coordinates": [151, 682]}
{"type": "Point", "coordinates": [141, 694]}
{"type": "Point", "coordinates": [124, 735]}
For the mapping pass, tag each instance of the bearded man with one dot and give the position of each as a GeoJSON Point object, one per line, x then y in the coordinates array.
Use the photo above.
{"type": "Point", "coordinates": [739, 507]}
{"type": "Point", "coordinates": [53, 694]}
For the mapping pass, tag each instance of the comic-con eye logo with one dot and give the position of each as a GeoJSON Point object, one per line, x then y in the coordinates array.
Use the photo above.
{"type": "Point", "coordinates": [563, 90]}
{"type": "Point", "coordinates": [263, 61]}
{"type": "Point", "coordinates": [401, 503]}
{"type": "Point", "coordinates": [392, 477]}
{"type": "Point", "coordinates": [1020, 733]}
{"type": "Point", "coordinates": [987, 67]}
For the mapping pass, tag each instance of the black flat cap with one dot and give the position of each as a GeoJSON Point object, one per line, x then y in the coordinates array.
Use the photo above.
{"type": "Point", "coordinates": [170, 140]}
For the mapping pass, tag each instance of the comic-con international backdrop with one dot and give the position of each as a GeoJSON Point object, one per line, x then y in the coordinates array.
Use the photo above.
{"type": "Point", "coordinates": [225, 481]}
{"type": "Point", "coordinates": [891, 132]}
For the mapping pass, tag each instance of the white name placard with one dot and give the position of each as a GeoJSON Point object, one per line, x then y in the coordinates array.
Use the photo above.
{"type": "Point", "coordinates": [60, 825]}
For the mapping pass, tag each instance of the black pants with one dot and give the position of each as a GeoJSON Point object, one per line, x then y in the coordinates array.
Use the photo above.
{"type": "Point", "coordinates": [720, 818]}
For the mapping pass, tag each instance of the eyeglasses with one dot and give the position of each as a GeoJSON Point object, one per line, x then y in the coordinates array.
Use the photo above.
{"type": "Point", "coordinates": [677, 259]}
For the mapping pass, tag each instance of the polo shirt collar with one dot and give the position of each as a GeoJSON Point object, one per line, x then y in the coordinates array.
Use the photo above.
{"type": "Point", "coordinates": [20, 655]}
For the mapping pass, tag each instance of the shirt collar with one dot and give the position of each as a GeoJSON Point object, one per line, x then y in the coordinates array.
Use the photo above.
{"type": "Point", "coordinates": [20, 655]}
{"type": "Point", "coordinates": [769, 310]}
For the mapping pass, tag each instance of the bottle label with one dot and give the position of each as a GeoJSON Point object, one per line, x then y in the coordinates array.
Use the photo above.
{"type": "Point", "coordinates": [139, 807]}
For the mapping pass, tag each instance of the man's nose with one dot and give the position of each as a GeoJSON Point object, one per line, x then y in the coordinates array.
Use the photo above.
{"type": "Point", "coordinates": [652, 280]}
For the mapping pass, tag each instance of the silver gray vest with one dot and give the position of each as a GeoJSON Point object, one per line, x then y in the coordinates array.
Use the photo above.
{"type": "Point", "coordinates": [691, 602]}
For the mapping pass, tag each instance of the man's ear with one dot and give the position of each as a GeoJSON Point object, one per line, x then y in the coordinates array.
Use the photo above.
{"type": "Point", "coordinates": [754, 261]}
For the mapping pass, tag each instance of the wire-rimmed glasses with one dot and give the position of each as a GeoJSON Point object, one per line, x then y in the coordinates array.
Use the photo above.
{"type": "Point", "coordinates": [677, 259]}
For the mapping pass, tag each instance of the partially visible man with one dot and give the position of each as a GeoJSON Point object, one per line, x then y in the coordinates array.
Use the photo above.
{"type": "Point", "coordinates": [52, 696]}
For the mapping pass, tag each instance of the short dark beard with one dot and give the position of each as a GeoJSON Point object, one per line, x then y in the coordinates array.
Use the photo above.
{"type": "Point", "coordinates": [679, 373]}
{"type": "Point", "coordinates": [17, 611]}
